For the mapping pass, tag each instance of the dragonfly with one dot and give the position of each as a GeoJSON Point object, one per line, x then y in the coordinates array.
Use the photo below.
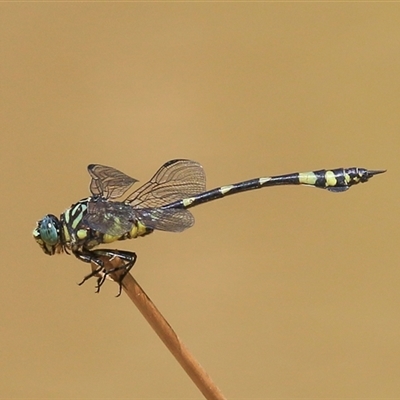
{"type": "Point", "coordinates": [115, 212]}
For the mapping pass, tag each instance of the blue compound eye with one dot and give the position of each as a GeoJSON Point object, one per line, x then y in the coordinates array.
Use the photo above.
{"type": "Point", "coordinates": [49, 230]}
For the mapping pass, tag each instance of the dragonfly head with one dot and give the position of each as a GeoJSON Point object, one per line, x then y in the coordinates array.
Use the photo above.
{"type": "Point", "coordinates": [47, 234]}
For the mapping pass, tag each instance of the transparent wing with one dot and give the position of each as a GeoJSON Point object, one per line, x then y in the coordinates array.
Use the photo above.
{"type": "Point", "coordinates": [108, 182]}
{"type": "Point", "coordinates": [175, 180]}
{"type": "Point", "coordinates": [169, 220]}
{"type": "Point", "coordinates": [115, 218]}
{"type": "Point", "coordinates": [108, 217]}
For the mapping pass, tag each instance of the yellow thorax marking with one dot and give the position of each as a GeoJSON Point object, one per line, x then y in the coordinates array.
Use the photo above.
{"type": "Point", "coordinates": [67, 237]}
{"type": "Point", "coordinates": [81, 234]}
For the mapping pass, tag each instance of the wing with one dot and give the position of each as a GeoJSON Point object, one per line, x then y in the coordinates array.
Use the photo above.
{"type": "Point", "coordinates": [169, 220]}
{"type": "Point", "coordinates": [108, 182]}
{"type": "Point", "coordinates": [175, 180]}
{"type": "Point", "coordinates": [114, 218]}
{"type": "Point", "coordinates": [108, 217]}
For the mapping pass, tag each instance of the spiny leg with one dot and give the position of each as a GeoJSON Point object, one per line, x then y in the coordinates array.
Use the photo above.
{"type": "Point", "coordinates": [128, 258]}
{"type": "Point", "coordinates": [94, 256]}
{"type": "Point", "coordinates": [88, 257]}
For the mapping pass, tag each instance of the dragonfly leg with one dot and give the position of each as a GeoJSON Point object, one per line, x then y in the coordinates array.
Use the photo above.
{"type": "Point", "coordinates": [128, 261]}
{"type": "Point", "coordinates": [128, 258]}
{"type": "Point", "coordinates": [99, 270]}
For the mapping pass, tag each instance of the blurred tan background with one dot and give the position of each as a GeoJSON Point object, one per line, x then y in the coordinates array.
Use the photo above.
{"type": "Point", "coordinates": [285, 292]}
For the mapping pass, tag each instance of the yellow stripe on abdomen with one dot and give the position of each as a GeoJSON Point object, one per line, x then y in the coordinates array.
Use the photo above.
{"type": "Point", "coordinates": [330, 179]}
{"type": "Point", "coordinates": [109, 238]}
{"type": "Point", "coordinates": [307, 178]}
{"type": "Point", "coordinates": [137, 230]}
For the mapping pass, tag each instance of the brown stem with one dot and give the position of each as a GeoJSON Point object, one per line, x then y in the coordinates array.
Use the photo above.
{"type": "Point", "coordinates": [165, 332]}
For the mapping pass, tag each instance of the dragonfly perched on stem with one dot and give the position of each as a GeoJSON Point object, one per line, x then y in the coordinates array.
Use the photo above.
{"type": "Point", "coordinates": [114, 212]}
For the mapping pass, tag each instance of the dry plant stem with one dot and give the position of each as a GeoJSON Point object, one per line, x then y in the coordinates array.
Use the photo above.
{"type": "Point", "coordinates": [195, 371]}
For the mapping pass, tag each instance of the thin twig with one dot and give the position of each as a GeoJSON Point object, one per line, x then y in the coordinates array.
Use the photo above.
{"type": "Point", "coordinates": [165, 332]}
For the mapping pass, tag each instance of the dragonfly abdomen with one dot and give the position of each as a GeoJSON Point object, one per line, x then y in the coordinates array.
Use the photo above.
{"type": "Point", "coordinates": [334, 180]}
{"type": "Point", "coordinates": [138, 229]}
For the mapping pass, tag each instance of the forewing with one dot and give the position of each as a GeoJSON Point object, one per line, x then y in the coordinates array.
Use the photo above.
{"type": "Point", "coordinates": [175, 180]}
{"type": "Point", "coordinates": [109, 218]}
{"type": "Point", "coordinates": [108, 182]}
